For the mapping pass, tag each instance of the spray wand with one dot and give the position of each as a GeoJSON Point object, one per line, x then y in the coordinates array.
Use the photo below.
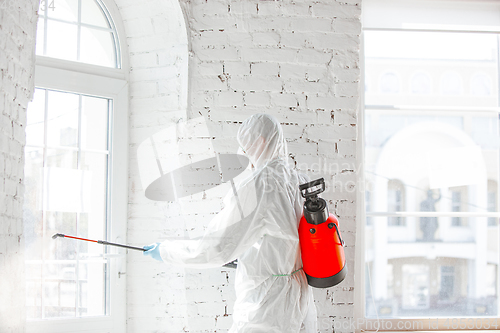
{"type": "Point", "coordinates": [232, 264]}
{"type": "Point", "coordinates": [99, 242]}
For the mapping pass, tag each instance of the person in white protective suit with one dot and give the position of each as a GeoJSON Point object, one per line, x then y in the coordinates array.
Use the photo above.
{"type": "Point", "coordinates": [259, 227]}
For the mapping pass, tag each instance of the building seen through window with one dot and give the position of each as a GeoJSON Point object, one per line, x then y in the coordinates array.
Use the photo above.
{"type": "Point", "coordinates": [431, 161]}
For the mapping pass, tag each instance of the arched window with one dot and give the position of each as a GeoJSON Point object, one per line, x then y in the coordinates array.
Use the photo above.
{"type": "Point", "coordinates": [75, 166]}
{"type": "Point", "coordinates": [78, 30]}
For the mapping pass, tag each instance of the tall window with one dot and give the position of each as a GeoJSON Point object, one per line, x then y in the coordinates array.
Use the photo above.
{"type": "Point", "coordinates": [67, 160]}
{"type": "Point", "coordinates": [439, 137]}
{"type": "Point", "coordinates": [75, 145]}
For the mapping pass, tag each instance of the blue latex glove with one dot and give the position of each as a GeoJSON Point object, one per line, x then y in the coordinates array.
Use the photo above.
{"type": "Point", "coordinates": [153, 250]}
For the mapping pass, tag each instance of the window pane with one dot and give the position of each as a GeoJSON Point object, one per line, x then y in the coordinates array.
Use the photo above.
{"type": "Point", "coordinates": [95, 166]}
{"type": "Point", "coordinates": [40, 36]}
{"type": "Point", "coordinates": [97, 47]}
{"type": "Point", "coordinates": [61, 40]}
{"type": "Point", "coordinates": [66, 10]}
{"type": "Point", "coordinates": [94, 123]}
{"type": "Point", "coordinates": [86, 36]}
{"type": "Point", "coordinates": [415, 286]}
{"type": "Point", "coordinates": [91, 282]}
{"type": "Point", "coordinates": [430, 279]}
{"type": "Point", "coordinates": [62, 122]}
{"type": "Point", "coordinates": [430, 154]}
{"type": "Point", "coordinates": [32, 212]}
{"type": "Point", "coordinates": [92, 14]}
{"type": "Point", "coordinates": [454, 62]}
{"type": "Point", "coordinates": [35, 119]}
{"type": "Point", "coordinates": [92, 220]}
{"type": "Point", "coordinates": [59, 285]}
{"type": "Point", "coordinates": [66, 192]}
{"type": "Point", "coordinates": [432, 164]}
{"type": "Point", "coordinates": [59, 199]}
{"type": "Point", "coordinates": [34, 287]}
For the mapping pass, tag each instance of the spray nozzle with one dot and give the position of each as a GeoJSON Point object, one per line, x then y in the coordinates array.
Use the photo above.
{"type": "Point", "coordinates": [315, 208]}
{"type": "Point", "coordinates": [311, 190]}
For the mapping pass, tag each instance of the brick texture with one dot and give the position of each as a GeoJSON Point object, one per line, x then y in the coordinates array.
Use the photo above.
{"type": "Point", "coordinates": [225, 60]}
{"type": "Point", "coordinates": [17, 41]}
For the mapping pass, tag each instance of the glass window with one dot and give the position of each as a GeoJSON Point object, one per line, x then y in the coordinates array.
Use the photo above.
{"type": "Point", "coordinates": [66, 175]}
{"type": "Point", "coordinates": [75, 170]}
{"type": "Point", "coordinates": [415, 287]}
{"type": "Point", "coordinates": [77, 30]}
{"type": "Point", "coordinates": [432, 168]}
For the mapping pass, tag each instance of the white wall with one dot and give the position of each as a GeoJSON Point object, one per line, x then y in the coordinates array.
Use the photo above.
{"type": "Point", "coordinates": [17, 31]}
{"type": "Point", "coordinates": [296, 60]}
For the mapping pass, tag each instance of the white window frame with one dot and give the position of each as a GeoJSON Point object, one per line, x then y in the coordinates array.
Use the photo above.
{"type": "Point", "coordinates": [111, 83]}
{"type": "Point", "coordinates": [362, 323]}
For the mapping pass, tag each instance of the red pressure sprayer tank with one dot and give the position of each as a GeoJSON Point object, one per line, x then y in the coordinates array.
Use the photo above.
{"type": "Point", "coordinates": [321, 245]}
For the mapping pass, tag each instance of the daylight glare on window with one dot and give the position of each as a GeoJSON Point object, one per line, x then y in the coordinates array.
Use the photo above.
{"type": "Point", "coordinates": [77, 30]}
{"type": "Point", "coordinates": [67, 167]}
{"type": "Point", "coordinates": [66, 181]}
{"type": "Point", "coordinates": [431, 167]}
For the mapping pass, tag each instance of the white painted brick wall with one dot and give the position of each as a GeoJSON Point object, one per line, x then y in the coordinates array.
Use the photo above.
{"type": "Point", "coordinates": [17, 31]}
{"type": "Point", "coordinates": [296, 60]}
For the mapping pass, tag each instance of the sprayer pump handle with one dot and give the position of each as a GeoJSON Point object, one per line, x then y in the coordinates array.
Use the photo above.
{"type": "Point", "coordinates": [304, 188]}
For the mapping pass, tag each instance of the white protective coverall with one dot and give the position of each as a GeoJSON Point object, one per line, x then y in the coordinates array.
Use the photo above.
{"type": "Point", "coordinates": [259, 227]}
